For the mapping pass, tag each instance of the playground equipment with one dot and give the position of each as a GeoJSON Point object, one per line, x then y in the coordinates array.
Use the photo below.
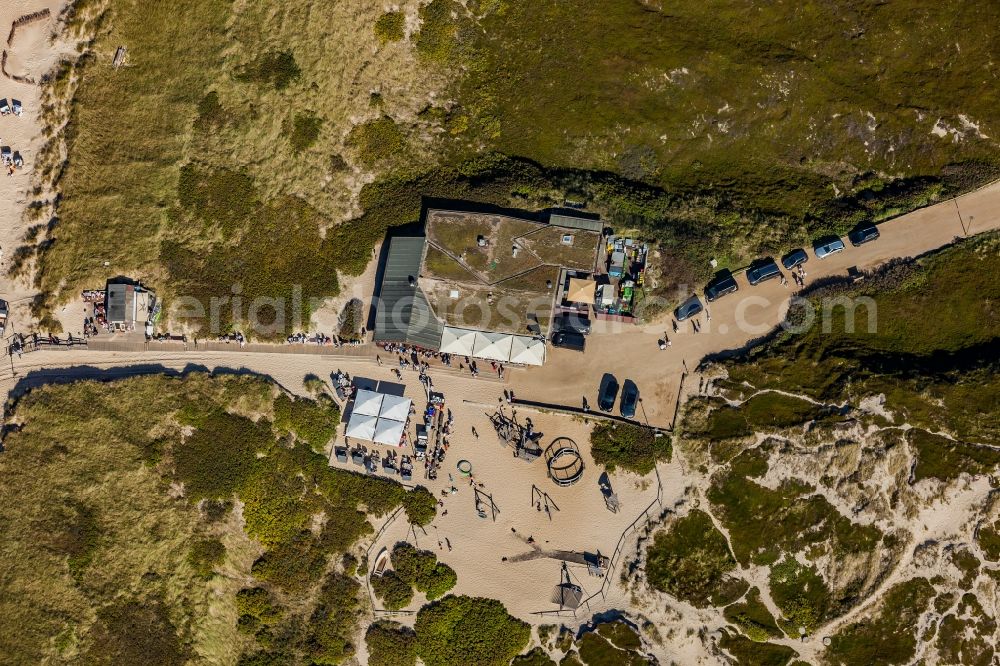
{"type": "Point", "coordinates": [464, 467]}
{"type": "Point", "coordinates": [563, 459]}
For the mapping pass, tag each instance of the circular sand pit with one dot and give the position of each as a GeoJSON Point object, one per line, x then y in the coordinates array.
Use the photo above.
{"type": "Point", "coordinates": [563, 459]}
{"type": "Point", "coordinates": [464, 467]}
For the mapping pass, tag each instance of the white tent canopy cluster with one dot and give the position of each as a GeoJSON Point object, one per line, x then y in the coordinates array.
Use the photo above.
{"type": "Point", "coordinates": [502, 347]}
{"type": "Point", "coordinates": [378, 417]}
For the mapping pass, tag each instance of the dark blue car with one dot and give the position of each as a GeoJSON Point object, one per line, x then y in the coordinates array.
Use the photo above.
{"type": "Point", "coordinates": [794, 258]}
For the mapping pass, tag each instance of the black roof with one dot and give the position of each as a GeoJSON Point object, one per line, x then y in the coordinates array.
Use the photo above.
{"type": "Point", "coordinates": [403, 313]}
{"type": "Point", "coordinates": [117, 300]}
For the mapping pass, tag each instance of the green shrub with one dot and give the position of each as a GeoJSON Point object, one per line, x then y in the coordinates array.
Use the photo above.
{"type": "Point", "coordinates": [989, 540]}
{"type": "Point", "coordinates": [469, 630]}
{"type": "Point", "coordinates": [535, 657]}
{"type": "Point", "coordinates": [312, 421]}
{"type": "Point", "coordinates": [276, 68]}
{"type": "Point", "coordinates": [753, 653]}
{"type": "Point", "coordinates": [390, 644]}
{"type": "Point", "coordinates": [351, 319]}
{"type": "Point", "coordinates": [135, 632]}
{"type": "Point", "coordinates": [390, 27]}
{"type": "Point", "coordinates": [294, 565]}
{"type": "Point", "coordinates": [205, 555]}
{"type": "Point", "coordinates": [377, 140]}
{"type": "Point", "coordinates": [332, 625]}
{"type": "Point", "coordinates": [631, 447]}
{"type": "Point", "coordinates": [690, 560]}
{"type": "Point", "coordinates": [215, 460]}
{"type": "Point", "coordinates": [216, 510]}
{"type": "Point", "coordinates": [752, 618]}
{"type": "Point", "coordinates": [889, 636]}
{"type": "Point", "coordinates": [394, 592]}
{"type": "Point", "coordinates": [420, 506]}
{"type": "Point", "coordinates": [438, 581]}
{"type": "Point", "coordinates": [412, 564]}
{"type": "Point", "coordinates": [304, 131]}
{"type": "Point", "coordinates": [438, 34]}
{"type": "Point", "coordinates": [258, 603]}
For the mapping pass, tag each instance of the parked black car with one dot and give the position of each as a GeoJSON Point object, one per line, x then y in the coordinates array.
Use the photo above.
{"type": "Point", "coordinates": [762, 269]}
{"type": "Point", "coordinates": [608, 393]}
{"type": "Point", "coordinates": [723, 283]}
{"type": "Point", "coordinates": [865, 232]}
{"type": "Point", "coordinates": [688, 309]}
{"type": "Point", "coordinates": [572, 321]}
{"type": "Point", "coordinates": [794, 258]}
{"type": "Point", "coordinates": [569, 340]}
{"type": "Point", "coordinates": [629, 400]}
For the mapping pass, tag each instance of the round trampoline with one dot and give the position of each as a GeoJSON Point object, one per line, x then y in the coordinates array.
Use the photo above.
{"type": "Point", "coordinates": [465, 467]}
{"type": "Point", "coordinates": [563, 459]}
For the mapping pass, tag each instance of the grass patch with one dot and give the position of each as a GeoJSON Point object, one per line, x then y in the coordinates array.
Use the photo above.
{"type": "Point", "coordinates": [989, 540]}
{"type": "Point", "coordinates": [468, 630]}
{"type": "Point", "coordinates": [888, 636]}
{"type": "Point", "coordinates": [763, 523]}
{"type": "Point", "coordinates": [752, 618]}
{"type": "Point", "coordinates": [304, 131]}
{"type": "Point", "coordinates": [631, 447]}
{"type": "Point", "coordinates": [801, 595]}
{"type": "Point", "coordinates": [766, 411]}
{"type": "Point", "coordinates": [691, 561]}
{"type": "Point", "coordinates": [377, 140]}
{"type": "Point", "coordinates": [276, 68]}
{"type": "Point", "coordinates": [390, 27]}
{"type": "Point", "coordinates": [751, 653]}
{"type": "Point", "coordinates": [937, 372]}
{"type": "Point", "coordinates": [944, 459]}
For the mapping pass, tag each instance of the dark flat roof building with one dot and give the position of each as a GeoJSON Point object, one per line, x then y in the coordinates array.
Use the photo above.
{"type": "Point", "coordinates": [403, 314]}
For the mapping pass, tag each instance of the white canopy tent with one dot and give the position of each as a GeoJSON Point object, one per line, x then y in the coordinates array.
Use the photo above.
{"type": "Point", "coordinates": [378, 417]}
{"type": "Point", "coordinates": [395, 407]}
{"type": "Point", "coordinates": [458, 341]}
{"type": "Point", "coordinates": [502, 347]}
{"type": "Point", "coordinates": [367, 402]}
{"type": "Point", "coordinates": [493, 346]}
{"type": "Point", "coordinates": [527, 351]}
{"type": "Point", "coordinates": [388, 431]}
{"type": "Point", "coordinates": [361, 426]}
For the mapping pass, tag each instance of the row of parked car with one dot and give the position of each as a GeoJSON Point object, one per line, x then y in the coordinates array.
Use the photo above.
{"type": "Point", "coordinates": [765, 269]}
{"type": "Point", "coordinates": [609, 391]}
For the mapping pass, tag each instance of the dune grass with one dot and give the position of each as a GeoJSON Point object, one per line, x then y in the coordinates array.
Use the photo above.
{"type": "Point", "coordinates": [160, 575]}
{"type": "Point", "coordinates": [691, 560]}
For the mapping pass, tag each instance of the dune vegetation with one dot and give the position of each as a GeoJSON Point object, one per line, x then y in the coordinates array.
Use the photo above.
{"type": "Point", "coordinates": [716, 130]}
{"type": "Point", "coordinates": [160, 519]}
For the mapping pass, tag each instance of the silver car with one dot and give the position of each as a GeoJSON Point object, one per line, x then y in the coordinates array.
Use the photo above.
{"type": "Point", "coordinates": [827, 246]}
